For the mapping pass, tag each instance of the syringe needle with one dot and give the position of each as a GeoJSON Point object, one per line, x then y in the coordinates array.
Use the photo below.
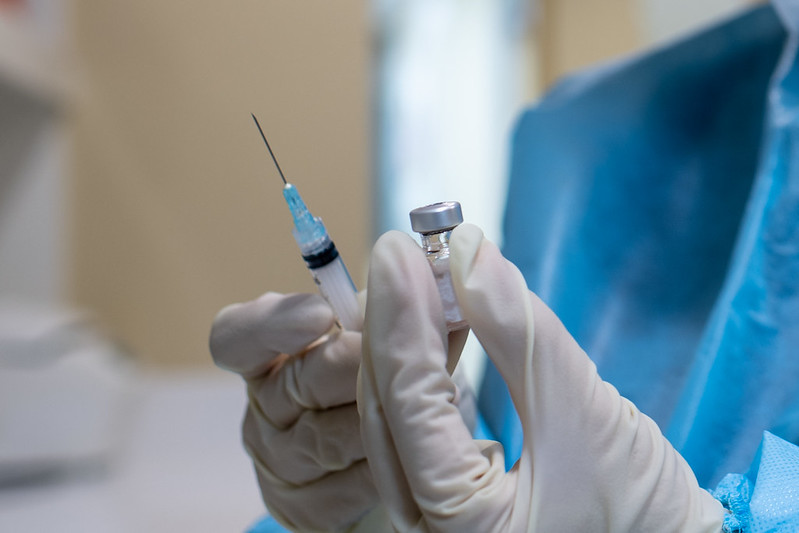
{"type": "Point", "coordinates": [269, 148]}
{"type": "Point", "coordinates": [320, 254]}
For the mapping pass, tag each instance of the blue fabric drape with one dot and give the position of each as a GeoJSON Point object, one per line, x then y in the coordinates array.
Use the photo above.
{"type": "Point", "coordinates": [654, 205]}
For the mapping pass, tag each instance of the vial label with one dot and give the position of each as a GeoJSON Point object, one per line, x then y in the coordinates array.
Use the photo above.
{"type": "Point", "coordinates": [452, 313]}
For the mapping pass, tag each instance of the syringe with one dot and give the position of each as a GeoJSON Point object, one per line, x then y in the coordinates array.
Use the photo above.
{"type": "Point", "coordinates": [320, 255]}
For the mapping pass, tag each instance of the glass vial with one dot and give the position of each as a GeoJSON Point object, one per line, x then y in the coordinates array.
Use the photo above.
{"type": "Point", "coordinates": [435, 223]}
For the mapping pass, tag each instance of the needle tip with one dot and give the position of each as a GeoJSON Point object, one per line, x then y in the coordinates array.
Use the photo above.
{"type": "Point", "coordinates": [269, 148]}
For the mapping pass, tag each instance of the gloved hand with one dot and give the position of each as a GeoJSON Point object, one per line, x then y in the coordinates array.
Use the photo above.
{"type": "Point", "coordinates": [591, 461]}
{"type": "Point", "coordinates": [301, 427]}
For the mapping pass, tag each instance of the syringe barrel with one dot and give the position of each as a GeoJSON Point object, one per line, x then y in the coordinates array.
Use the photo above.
{"type": "Point", "coordinates": [322, 259]}
{"type": "Point", "coordinates": [337, 288]}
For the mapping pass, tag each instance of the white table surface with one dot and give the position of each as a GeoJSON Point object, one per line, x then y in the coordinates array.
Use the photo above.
{"type": "Point", "coordinates": [182, 469]}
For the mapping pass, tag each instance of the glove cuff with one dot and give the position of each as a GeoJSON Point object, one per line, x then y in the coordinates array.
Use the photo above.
{"type": "Point", "coordinates": [734, 492]}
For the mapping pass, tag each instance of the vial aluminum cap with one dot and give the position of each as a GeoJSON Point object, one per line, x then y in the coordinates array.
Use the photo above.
{"type": "Point", "coordinates": [435, 218]}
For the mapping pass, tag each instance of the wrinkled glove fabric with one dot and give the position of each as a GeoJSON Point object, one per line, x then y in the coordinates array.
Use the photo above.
{"type": "Point", "coordinates": [590, 461]}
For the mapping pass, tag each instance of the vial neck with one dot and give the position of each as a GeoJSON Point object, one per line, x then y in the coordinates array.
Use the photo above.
{"type": "Point", "coordinates": [435, 242]}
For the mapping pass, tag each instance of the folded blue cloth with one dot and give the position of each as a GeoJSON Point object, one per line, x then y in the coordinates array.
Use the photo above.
{"type": "Point", "coordinates": [766, 499]}
{"type": "Point", "coordinates": [654, 205]}
{"type": "Point", "coordinates": [267, 524]}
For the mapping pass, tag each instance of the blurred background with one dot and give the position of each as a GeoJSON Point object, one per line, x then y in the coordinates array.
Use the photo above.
{"type": "Point", "coordinates": [137, 199]}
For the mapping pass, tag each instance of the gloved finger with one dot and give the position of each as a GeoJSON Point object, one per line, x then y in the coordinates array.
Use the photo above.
{"type": "Point", "coordinates": [247, 337]}
{"type": "Point", "coordinates": [321, 378]}
{"type": "Point", "coordinates": [536, 356]}
{"type": "Point", "coordinates": [397, 496]}
{"type": "Point", "coordinates": [319, 442]}
{"type": "Point", "coordinates": [406, 386]}
{"type": "Point", "coordinates": [494, 299]}
{"type": "Point", "coordinates": [582, 441]}
{"type": "Point", "coordinates": [546, 372]}
{"type": "Point", "coordinates": [378, 444]}
{"type": "Point", "coordinates": [333, 509]}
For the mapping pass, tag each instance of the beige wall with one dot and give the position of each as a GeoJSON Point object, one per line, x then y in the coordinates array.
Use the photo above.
{"type": "Point", "coordinates": [572, 34]}
{"type": "Point", "coordinates": [177, 209]}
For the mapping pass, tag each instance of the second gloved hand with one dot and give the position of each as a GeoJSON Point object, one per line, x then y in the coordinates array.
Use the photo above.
{"type": "Point", "coordinates": [590, 462]}
{"type": "Point", "coordinates": [301, 427]}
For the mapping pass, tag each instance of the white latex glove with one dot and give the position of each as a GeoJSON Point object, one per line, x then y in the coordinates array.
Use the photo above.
{"type": "Point", "coordinates": [301, 427]}
{"type": "Point", "coordinates": [590, 462]}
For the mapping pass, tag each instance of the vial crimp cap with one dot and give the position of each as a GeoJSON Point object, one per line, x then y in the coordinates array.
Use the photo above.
{"type": "Point", "coordinates": [435, 218]}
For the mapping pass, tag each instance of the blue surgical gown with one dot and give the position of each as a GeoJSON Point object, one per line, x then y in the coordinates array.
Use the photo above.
{"type": "Point", "coordinates": [654, 205]}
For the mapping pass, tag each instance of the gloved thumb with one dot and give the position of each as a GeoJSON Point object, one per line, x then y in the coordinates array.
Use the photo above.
{"type": "Point", "coordinates": [495, 301]}
{"type": "Point", "coordinates": [592, 457]}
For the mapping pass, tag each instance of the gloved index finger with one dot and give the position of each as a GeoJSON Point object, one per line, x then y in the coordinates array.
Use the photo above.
{"type": "Point", "coordinates": [246, 337]}
{"type": "Point", "coordinates": [405, 355]}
